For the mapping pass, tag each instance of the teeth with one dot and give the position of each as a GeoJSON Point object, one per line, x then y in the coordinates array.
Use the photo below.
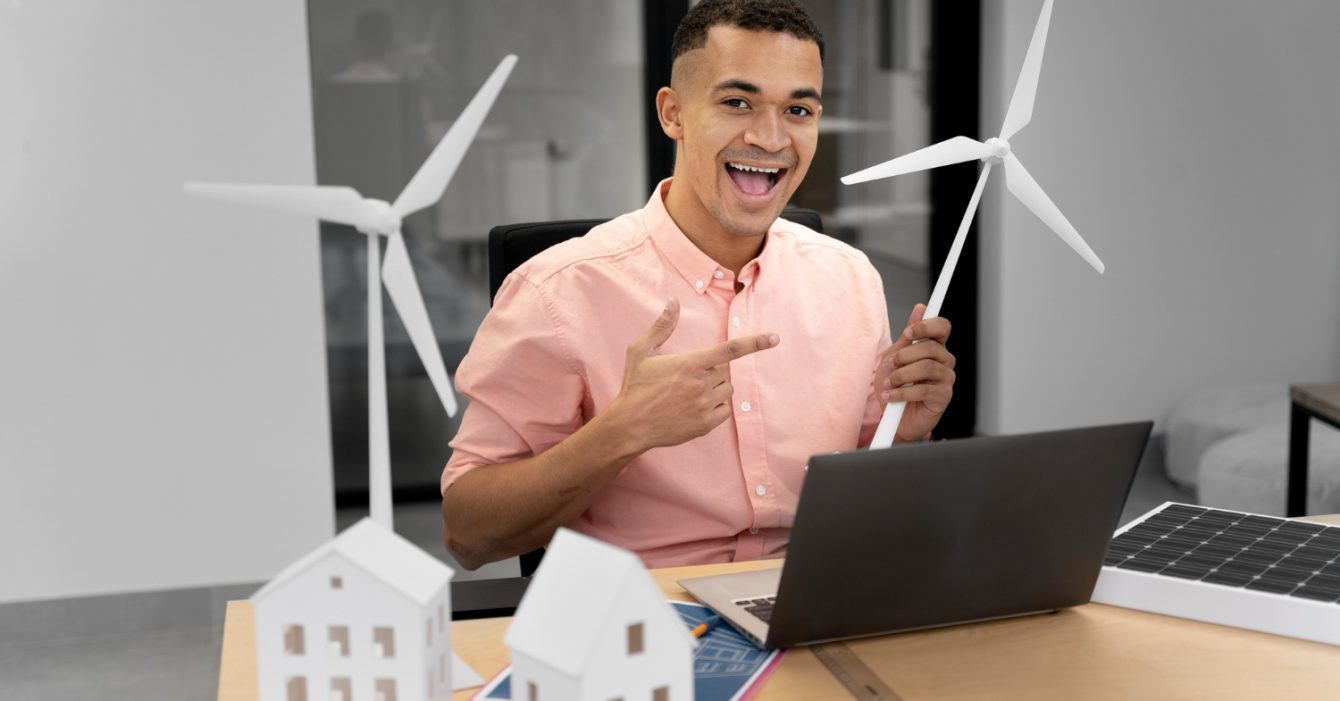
{"type": "Point", "coordinates": [752, 169]}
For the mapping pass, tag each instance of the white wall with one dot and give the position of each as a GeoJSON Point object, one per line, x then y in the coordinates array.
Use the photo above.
{"type": "Point", "coordinates": [1196, 146]}
{"type": "Point", "coordinates": [162, 375]}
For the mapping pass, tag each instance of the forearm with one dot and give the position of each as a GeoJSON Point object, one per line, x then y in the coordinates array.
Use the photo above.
{"type": "Point", "coordinates": [497, 511]}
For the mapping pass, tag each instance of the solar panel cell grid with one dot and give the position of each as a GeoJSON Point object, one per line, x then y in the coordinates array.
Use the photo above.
{"type": "Point", "coordinates": [1259, 553]}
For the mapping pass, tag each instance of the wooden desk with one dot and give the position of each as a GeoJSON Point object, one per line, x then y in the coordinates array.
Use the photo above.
{"type": "Point", "coordinates": [1089, 652]}
{"type": "Point", "coordinates": [1307, 402]}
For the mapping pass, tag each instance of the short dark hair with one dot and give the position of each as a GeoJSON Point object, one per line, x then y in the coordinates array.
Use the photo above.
{"type": "Point", "coordinates": [762, 15]}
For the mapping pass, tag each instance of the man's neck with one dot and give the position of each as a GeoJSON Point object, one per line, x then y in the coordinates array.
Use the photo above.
{"type": "Point", "coordinates": [729, 250]}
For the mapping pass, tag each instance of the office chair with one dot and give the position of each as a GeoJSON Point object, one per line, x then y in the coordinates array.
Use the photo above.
{"type": "Point", "coordinates": [510, 245]}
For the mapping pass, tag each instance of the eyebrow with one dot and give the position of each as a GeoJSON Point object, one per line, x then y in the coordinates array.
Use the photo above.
{"type": "Point", "coordinates": [806, 93]}
{"type": "Point", "coordinates": [746, 86]}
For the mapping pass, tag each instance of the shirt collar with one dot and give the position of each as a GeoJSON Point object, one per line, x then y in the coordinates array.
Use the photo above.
{"type": "Point", "coordinates": [697, 268]}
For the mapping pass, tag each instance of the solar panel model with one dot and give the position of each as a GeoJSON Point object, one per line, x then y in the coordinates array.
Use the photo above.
{"type": "Point", "coordinates": [1228, 567]}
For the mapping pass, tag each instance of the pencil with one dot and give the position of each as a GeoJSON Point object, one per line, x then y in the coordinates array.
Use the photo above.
{"type": "Point", "coordinates": [706, 626]}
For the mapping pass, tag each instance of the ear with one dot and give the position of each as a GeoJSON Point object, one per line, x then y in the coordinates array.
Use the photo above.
{"type": "Point", "coordinates": [669, 112]}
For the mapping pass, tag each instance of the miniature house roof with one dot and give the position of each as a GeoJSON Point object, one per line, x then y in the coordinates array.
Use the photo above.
{"type": "Point", "coordinates": [383, 554]}
{"type": "Point", "coordinates": [568, 602]}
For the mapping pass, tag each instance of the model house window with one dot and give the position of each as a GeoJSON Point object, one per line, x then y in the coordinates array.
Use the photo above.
{"type": "Point", "coordinates": [385, 690]}
{"type": "Point", "coordinates": [293, 640]}
{"type": "Point", "coordinates": [383, 642]}
{"type": "Point", "coordinates": [430, 684]}
{"type": "Point", "coordinates": [296, 689]}
{"type": "Point", "coordinates": [534, 691]}
{"type": "Point", "coordinates": [442, 668]}
{"type": "Point", "coordinates": [341, 689]}
{"type": "Point", "coordinates": [339, 641]}
{"type": "Point", "coordinates": [660, 693]}
{"type": "Point", "coordinates": [336, 582]}
{"type": "Point", "coordinates": [635, 639]}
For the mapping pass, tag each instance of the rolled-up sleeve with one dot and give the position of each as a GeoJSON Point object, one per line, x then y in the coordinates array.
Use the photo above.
{"type": "Point", "coordinates": [526, 390]}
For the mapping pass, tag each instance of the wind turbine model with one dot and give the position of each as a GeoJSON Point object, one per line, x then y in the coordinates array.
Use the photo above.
{"type": "Point", "coordinates": [994, 152]}
{"type": "Point", "coordinates": [375, 218]}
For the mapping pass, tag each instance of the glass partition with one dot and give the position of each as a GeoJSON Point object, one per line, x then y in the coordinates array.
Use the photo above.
{"type": "Point", "coordinates": [876, 107]}
{"type": "Point", "coordinates": [566, 139]}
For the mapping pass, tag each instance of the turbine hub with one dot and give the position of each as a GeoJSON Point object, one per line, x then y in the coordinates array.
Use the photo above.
{"type": "Point", "coordinates": [1000, 148]}
{"type": "Point", "coordinates": [386, 221]}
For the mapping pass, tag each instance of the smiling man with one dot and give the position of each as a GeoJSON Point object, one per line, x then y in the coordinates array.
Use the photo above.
{"type": "Point", "coordinates": [661, 382]}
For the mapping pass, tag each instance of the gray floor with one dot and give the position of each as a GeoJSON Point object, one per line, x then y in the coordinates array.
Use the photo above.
{"type": "Point", "coordinates": [166, 645]}
{"type": "Point", "coordinates": [151, 645]}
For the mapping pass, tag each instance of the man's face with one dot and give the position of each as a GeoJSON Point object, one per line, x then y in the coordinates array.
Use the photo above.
{"type": "Point", "coordinates": [747, 123]}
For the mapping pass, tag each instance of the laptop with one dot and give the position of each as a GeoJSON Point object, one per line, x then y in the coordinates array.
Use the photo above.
{"type": "Point", "coordinates": [937, 534]}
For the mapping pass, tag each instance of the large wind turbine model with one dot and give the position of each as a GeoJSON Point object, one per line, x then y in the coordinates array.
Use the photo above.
{"type": "Point", "coordinates": [375, 218]}
{"type": "Point", "coordinates": [995, 151]}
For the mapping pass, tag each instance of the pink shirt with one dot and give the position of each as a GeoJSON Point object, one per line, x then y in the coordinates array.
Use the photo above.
{"type": "Point", "coordinates": [550, 356]}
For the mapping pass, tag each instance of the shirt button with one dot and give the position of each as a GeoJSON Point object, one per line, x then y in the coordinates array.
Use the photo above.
{"type": "Point", "coordinates": [719, 274]}
{"type": "Point", "coordinates": [745, 406]}
{"type": "Point", "coordinates": [753, 531]}
{"type": "Point", "coordinates": [698, 284]}
{"type": "Point", "coordinates": [760, 490]}
{"type": "Point", "coordinates": [735, 321]}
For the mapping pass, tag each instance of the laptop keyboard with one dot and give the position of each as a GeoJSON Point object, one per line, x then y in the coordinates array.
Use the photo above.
{"type": "Point", "coordinates": [760, 606]}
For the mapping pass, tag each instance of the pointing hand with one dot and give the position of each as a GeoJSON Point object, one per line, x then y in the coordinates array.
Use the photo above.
{"type": "Point", "coordinates": [670, 399]}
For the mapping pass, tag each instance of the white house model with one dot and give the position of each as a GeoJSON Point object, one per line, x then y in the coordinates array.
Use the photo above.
{"type": "Point", "coordinates": [594, 626]}
{"type": "Point", "coordinates": [365, 616]}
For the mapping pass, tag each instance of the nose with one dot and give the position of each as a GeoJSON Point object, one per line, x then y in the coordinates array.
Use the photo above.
{"type": "Point", "coordinates": [767, 132]}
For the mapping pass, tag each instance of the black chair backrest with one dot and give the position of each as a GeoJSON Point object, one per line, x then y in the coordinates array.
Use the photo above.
{"type": "Point", "coordinates": [510, 245]}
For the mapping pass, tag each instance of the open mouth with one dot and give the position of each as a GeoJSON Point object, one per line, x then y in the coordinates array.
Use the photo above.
{"type": "Point", "coordinates": [754, 180]}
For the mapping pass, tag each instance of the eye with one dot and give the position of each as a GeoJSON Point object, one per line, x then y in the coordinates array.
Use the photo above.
{"type": "Point", "coordinates": [799, 111]}
{"type": "Point", "coordinates": [735, 103]}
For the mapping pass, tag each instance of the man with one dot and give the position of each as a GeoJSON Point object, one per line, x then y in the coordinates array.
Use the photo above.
{"type": "Point", "coordinates": [661, 382]}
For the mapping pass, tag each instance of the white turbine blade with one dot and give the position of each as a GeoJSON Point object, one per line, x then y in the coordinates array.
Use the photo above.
{"type": "Point", "coordinates": [342, 205]}
{"type": "Point", "coordinates": [1030, 193]}
{"type": "Point", "coordinates": [893, 411]}
{"type": "Point", "coordinates": [1021, 105]}
{"type": "Point", "coordinates": [949, 151]}
{"type": "Point", "coordinates": [398, 276]}
{"type": "Point", "coordinates": [427, 185]}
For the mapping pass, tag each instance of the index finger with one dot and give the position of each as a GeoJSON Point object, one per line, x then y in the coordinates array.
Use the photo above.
{"type": "Point", "coordinates": [902, 340]}
{"type": "Point", "coordinates": [935, 328]}
{"type": "Point", "coordinates": [733, 349]}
